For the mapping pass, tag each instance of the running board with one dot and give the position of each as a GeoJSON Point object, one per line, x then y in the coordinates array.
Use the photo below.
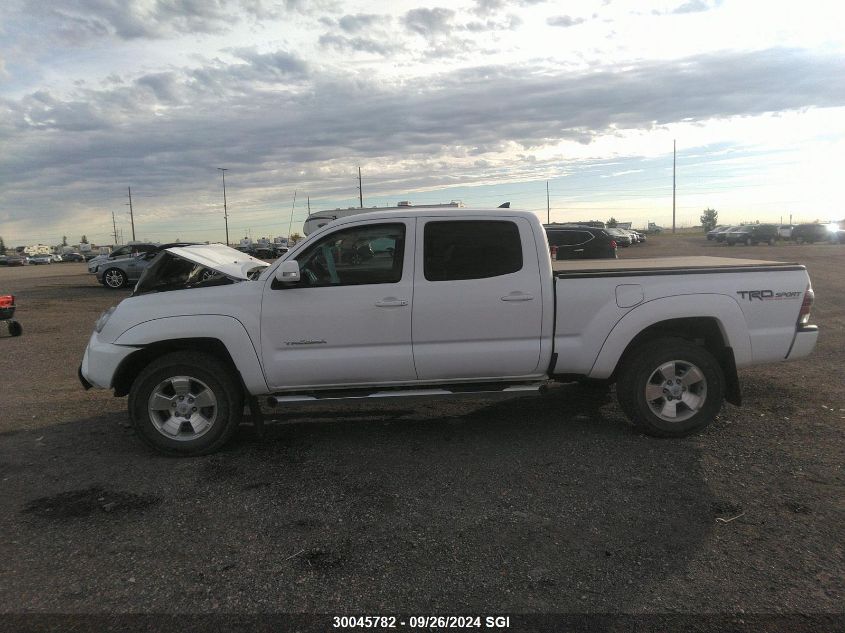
{"type": "Point", "coordinates": [471, 391]}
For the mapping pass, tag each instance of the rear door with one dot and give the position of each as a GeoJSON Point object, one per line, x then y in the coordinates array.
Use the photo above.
{"type": "Point", "coordinates": [477, 299]}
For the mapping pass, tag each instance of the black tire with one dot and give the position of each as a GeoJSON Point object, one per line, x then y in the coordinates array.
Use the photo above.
{"type": "Point", "coordinates": [637, 372]}
{"type": "Point", "coordinates": [771, 241]}
{"type": "Point", "coordinates": [15, 328]}
{"type": "Point", "coordinates": [114, 278]}
{"type": "Point", "coordinates": [748, 241]}
{"type": "Point", "coordinates": [201, 368]}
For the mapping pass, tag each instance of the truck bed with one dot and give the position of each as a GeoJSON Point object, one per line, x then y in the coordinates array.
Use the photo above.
{"type": "Point", "coordinates": [574, 268]}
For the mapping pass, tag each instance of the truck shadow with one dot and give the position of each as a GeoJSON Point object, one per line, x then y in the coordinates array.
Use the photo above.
{"type": "Point", "coordinates": [532, 504]}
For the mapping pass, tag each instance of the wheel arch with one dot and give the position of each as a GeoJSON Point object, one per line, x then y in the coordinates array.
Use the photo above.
{"type": "Point", "coordinates": [222, 335]}
{"type": "Point", "coordinates": [134, 364]}
{"type": "Point", "coordinates": [718, 328]}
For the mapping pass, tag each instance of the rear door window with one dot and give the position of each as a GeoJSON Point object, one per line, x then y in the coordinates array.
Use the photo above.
{"type": "Point", "coordinates": [471, 249]}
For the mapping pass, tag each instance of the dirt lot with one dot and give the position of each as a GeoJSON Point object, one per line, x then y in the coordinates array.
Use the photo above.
{"type": "Point", "coordinates": [549, 504]}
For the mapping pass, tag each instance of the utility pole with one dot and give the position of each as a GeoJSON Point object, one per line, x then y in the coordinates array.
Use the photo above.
{"type": "Point", "coordinates": [290, 224]}
{"type": "Point", "coordinates": [360, 190]}
{"type": "Point", "coordinates": [548, 207]}
{"type": "Point", "coordinates": [223, 171]}
{"type": "Point", "coordinates": [114, 225]}
{"type": "Point", "coordinates": [674, 155]}
{"type": "Point", "coordinates": [131, 214]}
{"type": "Point", "coordinates": [309, 206]}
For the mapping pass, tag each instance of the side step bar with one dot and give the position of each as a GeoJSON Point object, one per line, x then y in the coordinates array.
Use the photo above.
{"type": "Point", "coordinates": [491, 390]}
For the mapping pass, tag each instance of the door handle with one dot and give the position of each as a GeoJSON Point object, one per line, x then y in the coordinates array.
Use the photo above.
{"type": "Point", "coordinates": [391, 302]}
{"type": "Point", "coordinates": [518, 296]}
{"type": "Point", "coordinates": [579, 250]}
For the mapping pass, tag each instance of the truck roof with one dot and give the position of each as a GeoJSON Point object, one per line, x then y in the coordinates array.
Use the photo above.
{"type": "Point", "coordinates": [448, 212]}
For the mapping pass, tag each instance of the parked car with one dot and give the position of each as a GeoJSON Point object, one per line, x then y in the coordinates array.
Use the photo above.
{"type": "Point", "coordinates": [3, 260]}
{"type": "Point", "coordinates": [73, 257]}
{"type": "Point", "coordinates": [117, 273]}
{"type": "Point", "coordinates": [56, 258]}
{"type": "Point", "coordinates": [622, 238]}
{"type": "Point", "coordinates": [635, 238]}
{"type": "Point", "coordinates": [263, 252]}
{"type": "Point", "coordinates": [785, 231]}
{"type": "Point", "coordinates": [41, 258]}
{"type": "Point", "coordinates": [712, 233]}
{"type": "Point", "coordinates": [580, 242]}
{"type": "Point", "coordinates": [17, 260]}
{"type": "Point", "coordinates": [460, 306]}
{"type": "Point", "coordinates": [810, 233]}
{"type": "Point", "coordinates": [722, 233]}
{"type": "Point", "coordinates": [753, 234]}
{"type": "Point", "coordinates": [128, 250]}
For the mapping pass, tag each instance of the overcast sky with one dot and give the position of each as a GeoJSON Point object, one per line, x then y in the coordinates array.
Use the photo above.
{"type": "Point", "coordinates": [481, 101]}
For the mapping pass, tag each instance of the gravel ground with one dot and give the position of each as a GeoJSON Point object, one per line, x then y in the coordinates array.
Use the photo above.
{"type": "Point", "coordinates": [533, 505]}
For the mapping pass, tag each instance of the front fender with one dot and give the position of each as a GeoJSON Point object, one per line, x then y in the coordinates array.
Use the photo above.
{"type": "Point", "coordinates": [228, 330]}
{"type": "Point", "coordinates": [723, 309]}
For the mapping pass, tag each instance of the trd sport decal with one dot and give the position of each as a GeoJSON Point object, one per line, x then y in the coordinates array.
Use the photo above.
{"type": "Point", "coordinates": [768, 295]}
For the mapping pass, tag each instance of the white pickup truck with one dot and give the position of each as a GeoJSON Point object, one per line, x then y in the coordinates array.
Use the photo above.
{"type": "Point", "coordinates": [437, 303]}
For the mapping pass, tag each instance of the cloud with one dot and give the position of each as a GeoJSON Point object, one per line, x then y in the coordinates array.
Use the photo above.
{"type": "Point", "coordinates": [695, 6]}
{"type": "Point", "coordinates": [359, 44]}
{"type": "Point", "coordinates": [272, 66]}
{"type": "Point", "coordinates": [510, 23]}
{"type": "Point", "coordinates": [489, 7]}
{"type": "Point", "coordinates": [76, 22]}
{"type": "Point", "coordinates": [362, 21]}
{"type": "Point", "coordinates": [429, 23]}
{"type": "Point", "coordinates": [564, 21]}
{"type": "Point", "coordinates": [276, 122]}
{"type": "Point", "coordinates": [369, 34]}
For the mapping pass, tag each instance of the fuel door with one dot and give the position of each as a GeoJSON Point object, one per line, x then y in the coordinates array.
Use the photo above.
{"type": "Point", "coordinates": [629, 295]}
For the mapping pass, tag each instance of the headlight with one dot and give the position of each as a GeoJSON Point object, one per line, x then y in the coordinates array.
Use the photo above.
{"type": "Point", "coordinates": [104, 318]}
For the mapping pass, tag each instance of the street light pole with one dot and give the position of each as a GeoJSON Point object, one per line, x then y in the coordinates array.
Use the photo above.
{"type": "Point", "coordinates": [223, 171]}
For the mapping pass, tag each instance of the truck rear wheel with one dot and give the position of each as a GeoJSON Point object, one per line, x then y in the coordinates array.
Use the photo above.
{"type": "Point", "coordinates": [186, 403]}
{"type": "Point", "coordinates": [671, 387]}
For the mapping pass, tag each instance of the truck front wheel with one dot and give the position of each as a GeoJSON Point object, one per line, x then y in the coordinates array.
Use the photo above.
{"type": "Point", "coordinates": [186, 403]}
{"type": "Point", "coordinates": [671, 387]}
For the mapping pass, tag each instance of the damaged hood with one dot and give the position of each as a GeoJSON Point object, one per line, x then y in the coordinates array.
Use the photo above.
{"type": "Point", "coordinates": [220, 258]}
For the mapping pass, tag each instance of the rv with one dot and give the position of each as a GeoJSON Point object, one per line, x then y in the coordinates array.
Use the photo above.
{"type": "Point", "coordinates": [321, 218]}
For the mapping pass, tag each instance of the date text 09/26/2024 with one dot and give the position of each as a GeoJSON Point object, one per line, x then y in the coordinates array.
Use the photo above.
{"type": "Point", "coordinates": [421, 622]}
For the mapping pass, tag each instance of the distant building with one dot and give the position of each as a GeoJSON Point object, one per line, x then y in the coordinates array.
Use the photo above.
{"type": "Point", "coordinates": [37, 249]}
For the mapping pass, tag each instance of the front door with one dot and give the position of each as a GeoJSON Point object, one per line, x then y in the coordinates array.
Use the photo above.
{"type": "Point", "coordinates": [478, 303]}
{"type": "Point", "coordinates": [348, 321]}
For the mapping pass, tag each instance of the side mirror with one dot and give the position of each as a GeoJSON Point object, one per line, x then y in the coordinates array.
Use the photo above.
{"type": "Point", "coordinates": [288, 272]}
